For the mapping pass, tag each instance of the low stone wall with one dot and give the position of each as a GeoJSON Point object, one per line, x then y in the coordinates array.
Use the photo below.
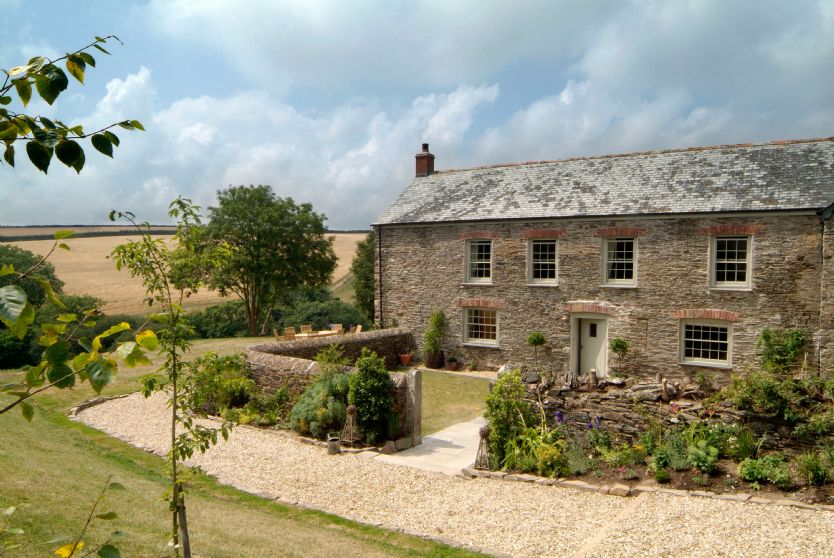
{"type": "Point", "coordinates": [387, 343]}
{"type": "Point", "coordinates": [288, 364]}
{"type": "Point", "coordinates": [625, 409]}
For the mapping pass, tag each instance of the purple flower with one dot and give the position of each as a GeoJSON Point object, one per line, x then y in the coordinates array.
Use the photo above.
{"type": "Point", "coordinates": [598, 421]}
{"type": "Point", "coordinates": [589, 426]}
{"type": "Point", "coordinates": [560, 416]}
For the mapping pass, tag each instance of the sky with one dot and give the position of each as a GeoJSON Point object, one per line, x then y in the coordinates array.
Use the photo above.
{"type": "Point", "coordinates": [328, 101]}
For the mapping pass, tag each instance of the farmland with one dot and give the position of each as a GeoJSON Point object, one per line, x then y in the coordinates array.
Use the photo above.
{"type": "Point", "coordinates": [86, 268]}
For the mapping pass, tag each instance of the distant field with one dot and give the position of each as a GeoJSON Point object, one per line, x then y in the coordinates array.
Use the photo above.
{"type": "Point", "coordinates": [86, 269]}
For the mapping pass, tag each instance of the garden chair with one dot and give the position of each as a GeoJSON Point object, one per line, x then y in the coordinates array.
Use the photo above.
{"type": "Point", "coordinates": [289, 333]}
{"type": "Point", "coordinates": [352, 329]}
{"type": "Point", "coordinates": [307, 328]}
{"type": "Point", "coordinates": [337, 328]}
{"type": "Point", "coordinates": [358, 329]}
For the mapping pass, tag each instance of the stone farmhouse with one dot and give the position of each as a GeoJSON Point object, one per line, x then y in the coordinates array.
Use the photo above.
{"type": "Point", "coordinates": [687, 254]}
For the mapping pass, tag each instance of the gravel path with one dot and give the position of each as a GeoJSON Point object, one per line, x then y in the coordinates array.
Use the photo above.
{"type": "Point", "coordinates": [519, 519]}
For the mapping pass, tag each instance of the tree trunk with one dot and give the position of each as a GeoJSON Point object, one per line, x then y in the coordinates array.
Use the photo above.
{"type": "Point", "coordinates": [185, 542]}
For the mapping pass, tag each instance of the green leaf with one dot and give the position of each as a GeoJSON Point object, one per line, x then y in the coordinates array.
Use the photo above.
{"type": "Point", "coordinates": [27, 410]}
{"type": "Point", "coordinates": [107, 516]}
{"type": "Point", "coordinates": [71, 154]}
{"type": "Point", "coordinates": [101, 49]}
{"type": "Point", "coordinates": [8, 155]}
{"type": "Point", "coordinates": [63, 233]}
{"type": "Point", "coordinates": [8, 130]}
{"type": "Point", "coordinates": [47, 136]}
{"type": "Point", "coordinates": [6, 269]}
{"type": "Point", "coordinates": [102, 144]}
{"type": "Point", "coordinates": [50, 293]}
{"type": "Point", "coordinates": [75, 66]}
{"type": "Point", "coordinates": [61, 375]}
{"type": "Point", "coordinates": [63, 246]}
{"type": "Point", "coordinates": [147, 339]}
{"type": "Point", "coordinates": [36, 63]}
{"type": "Point", "coordinates": [114, 139]}
{"type": "Point", "coordinates": [34, 376]}
{"type": "Point", "coordinates": [115, 329]}
{"type": "Point", "coordinates": [87, 58]}
{"type": "Point", "coordinates": [58, 353]}
{"type": "Point", "coordinates": [138, 125]}
{"type": "Point", "coordinates": [24, 89]}
{"type": "Point", "coordinates": [5, 100]}
{"type": "Point", "coordinates": [126, 125]}
{"type": "Point", "coordinates": [101, 372]}
{"type": "Point", "coordinates": [39, 154]}
{"type": "Point", "coordinates": [47, 123]}
{"type": "Point", "coordinates": [15, 310]}
{"type": "Point", "coordinates": [109, 551]}
{"type": "Point", "coordinates": [67, 318]}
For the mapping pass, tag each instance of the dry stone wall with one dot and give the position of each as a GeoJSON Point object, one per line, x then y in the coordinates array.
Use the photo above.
{"type": "Point", "coordinates": [422, 269]}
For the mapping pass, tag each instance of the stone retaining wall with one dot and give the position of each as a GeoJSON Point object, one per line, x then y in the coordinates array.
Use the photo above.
{"type": "Point", "coordinates": [625, 410]}
{"type": "Point", "coordinates": [288, 364]}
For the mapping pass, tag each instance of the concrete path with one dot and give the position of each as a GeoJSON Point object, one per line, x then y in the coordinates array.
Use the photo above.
{"type": "Point", "coordinates": [447, 451]}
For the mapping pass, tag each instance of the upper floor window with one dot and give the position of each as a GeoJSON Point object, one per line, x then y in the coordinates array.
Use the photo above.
{"type": "Point", "coordinates": [620, 261]}
{"type": "Point", "coordinates": [479, 261]}
{"type": "Point", "coordinates": [542, 262]}
{"type": "Point", "coordinates": [481, 326]}
{"type": "Point", "coordinates": [731, 263]}
{"type": "Point", "coordinates": [707, 343]}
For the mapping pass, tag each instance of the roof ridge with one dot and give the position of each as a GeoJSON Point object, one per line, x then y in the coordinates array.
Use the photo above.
{"type": "Point", "coordinates": [642, 153]}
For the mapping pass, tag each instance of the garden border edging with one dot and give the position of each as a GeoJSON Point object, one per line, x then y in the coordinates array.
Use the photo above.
{"type": "Point", "coordinates": [624, 490]}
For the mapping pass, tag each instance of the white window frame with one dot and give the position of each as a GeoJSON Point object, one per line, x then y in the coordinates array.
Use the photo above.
{"type": "Point", "coordinates": [619, 282]}
{"type": "Point", "coordinates": [707, 362]}
{"type": "Point", "coordinates": [531, 262]}
{"type": "Point", "coordinates": [468, 261]}
{"type": "Point", "coordinates": [714, 283]}
{"type": "Point", "coordinates": [468, 320]}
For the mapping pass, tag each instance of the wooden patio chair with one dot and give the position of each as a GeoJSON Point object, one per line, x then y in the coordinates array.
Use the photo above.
{"type": "Point", "coordinates": [289, 333]}
{"type": "Point", "coordinates": [306, 328]}
{"type": "Point", "coordinates": [358, 329]}
{"type": "Point", "coordinates": [352, 329]}
{"type": "Point", "coordinates": [337, 328]}
{"type": "Point", "coordinates": [277, 334]}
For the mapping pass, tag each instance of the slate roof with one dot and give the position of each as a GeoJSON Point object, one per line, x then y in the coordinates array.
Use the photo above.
{"type": "Point", "coordinates": [784, 175]}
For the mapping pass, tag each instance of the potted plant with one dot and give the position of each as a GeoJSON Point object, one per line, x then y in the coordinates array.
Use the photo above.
{"type": "Point", "coordinates": [405, 358]}
{"type": "Point", "coordinates": [432, 355]}
{"type": "Point", "coordinates": [452, 363]}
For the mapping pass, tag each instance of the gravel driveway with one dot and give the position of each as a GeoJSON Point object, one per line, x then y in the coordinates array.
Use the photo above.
{"type": "Point", "coordinates": [519, 519]}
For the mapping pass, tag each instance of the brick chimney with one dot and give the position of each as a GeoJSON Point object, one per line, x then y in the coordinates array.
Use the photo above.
{"type": "Point", "coordinates": [425, 162]}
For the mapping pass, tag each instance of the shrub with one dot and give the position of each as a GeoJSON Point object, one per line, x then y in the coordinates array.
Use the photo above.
{"type": "Point", "coordinates": [507, 414]}
{"type": "Point", "coordinates": [813, 468]}
{"type": "Point", "coordinates": [765, 393]}
{"type": "Point", "coordinates": [270, 408]}
{"type": "Point", "coordinates": [434, 333]}
{"type": "Point", "coordinates": [551, 460]}
{"type": "Point", "coordinates": [221, 320]}
{"type": "Point", "coordinates": [623, 455]}
{"type": "Point", "coordinates": [662, 476]}
{"type": "Point", "coordinates": [703, 456]}
{"type": "Point", "coordinates": [216, 383]}
{"type": "Point", "coordinates": [672, 453]}
{"type": "Point", "coordinates": [578, 460]}
{"type": "Point", "coordinates": [770, 468]}
{"type": "Point", "coordinates": [780, 348]}
{"type": "Point", "coordinates": [372, 392]}
{"type": "Point", "coordinates": [323, 407]}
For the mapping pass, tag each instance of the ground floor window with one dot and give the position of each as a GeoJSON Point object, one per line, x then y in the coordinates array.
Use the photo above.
{"type": "Point", "coordinates": [706, 343]}
{"type": "Point", "coordinates": [481, 326]}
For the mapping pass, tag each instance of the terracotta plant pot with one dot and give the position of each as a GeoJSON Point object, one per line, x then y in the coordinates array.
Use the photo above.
{"type": "Point", "coordinates": [452, 366]}
{"type": "Point", "coordinates": [405, 359]}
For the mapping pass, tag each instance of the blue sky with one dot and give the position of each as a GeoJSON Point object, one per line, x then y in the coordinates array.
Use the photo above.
{"type": "Point", "coordinates": [328, 101]}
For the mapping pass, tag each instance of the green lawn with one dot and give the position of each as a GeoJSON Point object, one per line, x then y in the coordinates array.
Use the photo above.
{"type": "Point", "coordinates": [52, 469]}
{"type": "Point", "coordinates": [450, 398]}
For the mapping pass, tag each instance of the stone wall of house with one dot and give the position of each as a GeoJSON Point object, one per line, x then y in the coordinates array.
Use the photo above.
{"type": "Point", "coordinates": [288, 364]}
{"type": "Point", "coordinates": [826, 326]}
{"type": "Point", "coordinates": [423, 269]}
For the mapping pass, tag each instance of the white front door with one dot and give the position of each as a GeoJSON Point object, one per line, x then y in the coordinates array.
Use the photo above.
{"type": "Point", "coordinates": [592, 337]}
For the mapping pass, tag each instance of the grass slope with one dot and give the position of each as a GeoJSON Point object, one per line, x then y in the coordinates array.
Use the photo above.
{"type": "Point", "coordinates": [53, 468]}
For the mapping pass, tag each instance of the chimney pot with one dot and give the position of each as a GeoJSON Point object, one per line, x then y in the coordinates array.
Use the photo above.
{"type": "Point", "coordinates": [424, 162]}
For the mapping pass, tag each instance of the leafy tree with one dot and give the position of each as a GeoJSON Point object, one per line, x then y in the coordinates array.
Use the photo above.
{"type": "Point", "coordinates": [154, 262]}
{"type": "Point", "coordinates": [362, 269]}
{"type": "Point", "coordinates": [264, 247]}
{"type": "Point", "coordinates": [320, 314]}
{"type": "Point", "coordinates": [45, 138]}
